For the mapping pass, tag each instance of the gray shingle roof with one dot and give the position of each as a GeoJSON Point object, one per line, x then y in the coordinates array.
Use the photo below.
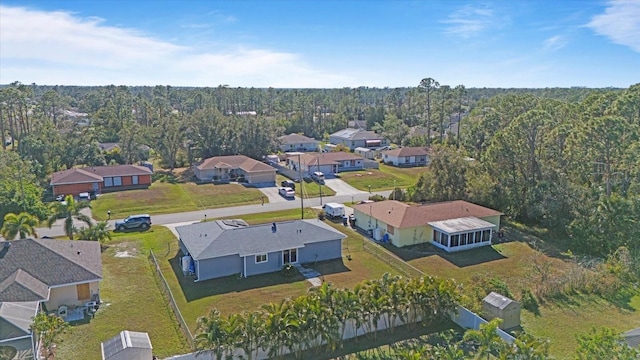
{"type": "Point", "coordinates": [213, 239]}
{"type": "Point", "coordinates": [356, 134]}
{"type": "Point", "coordinates": [16, 319]}
{"type": "Point", "coordinates": [498, 301]}
{"type": "Point", "coordinates": [296, 139]}
{"type": "Point", "coordinates": [26, 266]}
{"type": "Point", "coordinates": [632, 337]}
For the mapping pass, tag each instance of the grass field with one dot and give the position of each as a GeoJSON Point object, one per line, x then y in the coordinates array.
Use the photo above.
{"type": "Point", "coordinates": [559, 320]}
{"type": "Point", "coordinates": [233, 295]}
{"type": "Point", "coordinates": [166, 197]}
{"type": "Point", "coordinates": [383, 178]}
{"type": "Point", "coordinates": [131, 300]}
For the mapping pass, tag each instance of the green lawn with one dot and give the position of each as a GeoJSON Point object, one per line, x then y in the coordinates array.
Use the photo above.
{"type": "Point", "coordinates": [165, 197]}
{"type": "Point", "coordinates": [558, 320]}
{"type": "Point", "coordinates": [382, 179]}
{"type": "Point", "coordinates": [131, 300]}
{"type": "Point", "coordinates": [233, 295]}
{"type": "Point", "coordinates": [311, 188]}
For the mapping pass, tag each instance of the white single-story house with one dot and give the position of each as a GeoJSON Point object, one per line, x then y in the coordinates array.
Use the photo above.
{"type": "Point", "coordinates": [353, 138]}
{"type": "Point", "coordinates": [53, 274]}
{"type": "Point", "coordinates": [226, 168]}
{"type": "Point", "coordinates": [298, 142]}
{"type": "Point", "coordinates": [407, 156]}
{"type": "Point", "coordinates": [231, 247]}
{"type": "Point", "coordinates": [451, 225]}
{"type": "Point", "coordinates": [327, 163]}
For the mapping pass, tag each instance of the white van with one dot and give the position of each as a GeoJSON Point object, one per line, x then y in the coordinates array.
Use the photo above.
{"type": "Point", "coordinates": [333, 210]}
{"type": "Point", "coordinates": [318, 177]}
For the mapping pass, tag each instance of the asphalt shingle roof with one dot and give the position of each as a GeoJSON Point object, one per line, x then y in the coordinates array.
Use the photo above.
{"type": "Point", "coordinates": [407, 151]}
{"type": "Point", "coordinates": [213, 239]}
{"type": "Point", "coordinates": [235, 162]}
{"type": "Point", "coordinates": [96, 173]}
{"type": "Point", "coordinates": [296, 139]}
{"type": "Point", "coordinates": [123, 341]}
{"type": "Point", "coordinates": [25, 265]}
{"type": "Point", "coordinates": [497, 300]}
{"type": "Point", "coordinates": [356, 134]}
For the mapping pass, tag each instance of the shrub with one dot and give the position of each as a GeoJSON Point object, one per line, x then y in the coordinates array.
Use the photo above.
{"type": "Point", "coordinates": [529, 301]}
{"type": "Point", "coordinates": [377, 197]}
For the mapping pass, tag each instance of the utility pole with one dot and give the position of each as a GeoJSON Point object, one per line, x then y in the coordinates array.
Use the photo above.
{"type": "Point", "coordinates": [301, 187]}
{"type": "Point", "coordinates": [319, 182]}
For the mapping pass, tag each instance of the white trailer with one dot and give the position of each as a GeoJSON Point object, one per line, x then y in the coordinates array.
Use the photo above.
{"type": "Point", "coordinates": [334, 210]}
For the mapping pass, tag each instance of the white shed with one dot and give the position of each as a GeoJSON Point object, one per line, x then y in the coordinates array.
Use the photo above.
{"type": "Point", "coordinates": [128, 345]}
{"type": "Point", "coordinates": [365, 153]}
{"type": "Point", "coordinates": [495, 305]}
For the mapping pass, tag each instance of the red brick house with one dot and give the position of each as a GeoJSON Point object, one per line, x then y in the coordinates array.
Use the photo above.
{"type": "Point", "coordinates": [100, 179]}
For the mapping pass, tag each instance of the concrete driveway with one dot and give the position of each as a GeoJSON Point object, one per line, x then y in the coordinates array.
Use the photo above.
{"type": "Point", "coordinates": [272, 194]}
{"type": "Point", "coordinates": [342, 188]}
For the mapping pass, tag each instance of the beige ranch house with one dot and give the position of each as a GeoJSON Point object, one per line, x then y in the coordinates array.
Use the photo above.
{"type": "Point", "coordinates": [226, 168]}
{"type": "Point", "coordinates": [452, 225]}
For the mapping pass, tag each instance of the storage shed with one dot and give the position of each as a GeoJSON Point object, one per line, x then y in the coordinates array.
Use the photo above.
{"type": "Point", "coordinates": [495, 305]}
{"type": "Point", "coordinates": [128, 345]}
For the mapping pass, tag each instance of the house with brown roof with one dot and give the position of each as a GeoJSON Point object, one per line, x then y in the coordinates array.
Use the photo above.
{"type": "Point", "coordinates": [327, 163]}
{"type": "Point", "coordinates": [298, 142]}
{"type": "Point", "coordinates": [226, 168]}
{"type": "Point", "coordinates": [451, 225]}
{"type": "Point", "coordinates": [407, 156]}
{"type": "Point", "coordinates": [63, 276]}
{"type": "Point", "coordinates": [100, 179]}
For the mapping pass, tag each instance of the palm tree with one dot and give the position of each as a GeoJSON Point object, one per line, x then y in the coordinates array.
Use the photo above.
{"type": "Point", "coordinates": [22, 224]}
{"type": "Point", "coordinates": [69, 210]}
{"type": "Point", "coordinates": [252, 333]}
{"type": "Point", "coordinates": [211, 334]}
{"type": "Point", "coordinates": [486, 338]}
{"type": "Point", "coordinates": [98, 232]}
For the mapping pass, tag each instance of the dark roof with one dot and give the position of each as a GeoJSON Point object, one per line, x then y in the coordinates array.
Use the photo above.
{"type": "Point", "coordinates": [356, 134]}
{"type": "Point", "coordinates": [632, 337]}
{"type": "Point", "coordinates": [407, 151]}
{"type": "Point", "coordinates": [16, 319]}
{"type": "Point", "coordinates": [27, 266]}
{"type": "Point", "coordinates": [325, 158]}
{"type": "Point", "coordinates": [96, 173]}
{"type": "Point", "coordinates": [296, 139]}
{"type": "Point", "coordinates": [401, 215]}
{"type": "Point", "coordinates": [215, 239]}
{"type": "Point", "coordinates": [234, 162]}
{"type": "Point", "coordinates": [108, 146]}
{"type": "Point", "coordinates": [123, 341]}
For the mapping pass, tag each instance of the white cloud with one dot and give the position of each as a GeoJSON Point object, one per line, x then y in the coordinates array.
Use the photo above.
{"type": "Point", "coordinates": [620, 22]}
{"type": "Point", "coordinates": [555, 43]}
{"type": "Point", "coordinates": [469, 21]}
{"type": "Point", "coordinates": [61, 48]}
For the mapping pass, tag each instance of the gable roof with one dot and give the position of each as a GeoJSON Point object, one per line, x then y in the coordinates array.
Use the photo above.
{"type": "Point", "coordinates": [96, 173]}
{"type": "Point", "coordinates": [16, 319]}
{"type": "Point", "coordinates": [328, 158]}
{"type": "Point", "coordinates": [401, 215]}
{"type": "Point", "coordinates": [125, 340]}
{"type": "Point", "coordinates": [356, 134]}
{"type": "Point", "coordinates": [498, 301]}
{"type": "Point", "coordinates": [296, 139]}
{"type": "Point", "coordinates": [215, 238]}
{"type": "Point", "coordinates": [28, 265]}
{"type": "Point", "coordinates": [234, 162]}
{"type": "Point", "coordinates": [632, 337]}
{"type": "Point", "coordinates": [407, 151]}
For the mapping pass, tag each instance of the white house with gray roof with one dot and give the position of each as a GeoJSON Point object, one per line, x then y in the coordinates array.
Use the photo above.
{"type": "Point", "coordinates": [232, 247]}
{"type": "Point", "coordinates": [298, 142]}
{"type": "Point", "coordinates": [353, 138]}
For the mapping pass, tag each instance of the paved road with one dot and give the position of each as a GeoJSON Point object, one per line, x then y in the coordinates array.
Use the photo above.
{"type": "Point", "coordinates": [236, 211]}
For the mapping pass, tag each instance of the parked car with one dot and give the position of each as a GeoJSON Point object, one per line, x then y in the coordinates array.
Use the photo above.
{"type": "Point", "coordinates": [288, 183]}
{"type": "Point", "coordinates": [287, 192]}
{"type": "Point", "coordinates": [134, 221]}
{"type": "Point", "coordinates": [318, 177]}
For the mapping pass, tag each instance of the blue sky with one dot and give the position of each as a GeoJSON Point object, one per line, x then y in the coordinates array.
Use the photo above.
{"type": "Point", "coordinates": [321, 43]}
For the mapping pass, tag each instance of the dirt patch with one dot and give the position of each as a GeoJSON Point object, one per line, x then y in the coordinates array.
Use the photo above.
{"type": "Point", "coordinates": [125, 249]}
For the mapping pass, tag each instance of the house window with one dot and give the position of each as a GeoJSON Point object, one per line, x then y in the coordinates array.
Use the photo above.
{"type": "Point", "coordinates": [108, 182]}
{"type": "Point", "coordinates": [117, 181]}
{"type": "Point", "coordinates": [455, 240]}
{"type": "Point", "coordinates": [406, 160]}
{"type": "Point", "coordinates": [390, 229]}
{"type": "Point", "coordinates": [486, 235]}
{"type": "Point", "coordinates": [290, 256]}
{"type": "Point", "coordinates": [134, 180]}
{"type": "Point", "coordinates": [261, 258]}
{"type": "Point", "coordinates": [463, 239]}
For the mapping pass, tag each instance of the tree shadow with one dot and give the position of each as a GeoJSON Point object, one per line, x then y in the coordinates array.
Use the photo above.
{"type": "Point", "coordinates": [197, 290]}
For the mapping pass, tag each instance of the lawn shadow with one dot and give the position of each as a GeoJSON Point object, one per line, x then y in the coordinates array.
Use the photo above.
{"type": "Point", "coordinates": [622, 298]}
{"type": "Point", "coordinates": [460, 259]}
{"type": "Point", "coordinates": [328, 267]}
{"type": "Point", "coordinates": [202, 289]}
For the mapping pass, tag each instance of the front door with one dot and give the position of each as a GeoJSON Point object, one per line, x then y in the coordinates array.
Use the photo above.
{"type": "Point", "coordinates": [290, 256]}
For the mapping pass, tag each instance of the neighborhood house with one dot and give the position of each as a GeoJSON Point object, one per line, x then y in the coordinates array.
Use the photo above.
{"type": "Point", "coordinates": [406, 156]}
{"type": "Point", "coordinates": [298, 142]}
{"type": "Point", "coordinates": [451, 226]}
{"type": "Point", "coordinates": [327, 163]}
{"type": "Point", "coordinates": [59, 275]}
{"type": "Point", "coordinates": [353, 138]}
{"type": "Point", "coordinates": [100, 179]}
{"type": "Point", "coordinates": [231, 247]}
{"type": "Point", "coordinates": [234, 167]}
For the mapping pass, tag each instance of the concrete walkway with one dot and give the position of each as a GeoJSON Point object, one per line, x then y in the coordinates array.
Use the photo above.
{"type": "Point", "coordinates": [311, 275]}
